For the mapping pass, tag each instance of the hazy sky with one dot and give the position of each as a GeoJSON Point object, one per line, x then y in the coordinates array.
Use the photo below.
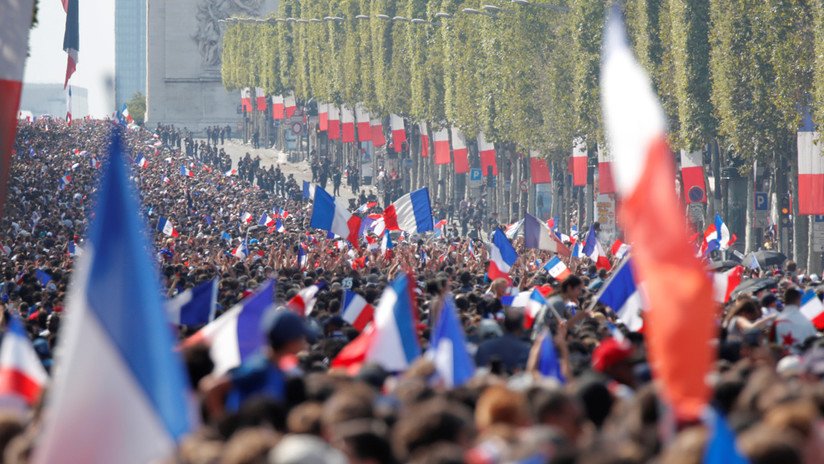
{"type": "Point", "coordinates": [47, 60]}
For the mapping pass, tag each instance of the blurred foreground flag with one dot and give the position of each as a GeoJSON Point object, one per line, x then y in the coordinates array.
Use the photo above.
{"type": "Point", "coordinates": [194, 306]}
{"type": "Point", "coordinates": [676, 286]}
{"type": "Point", "coordinates": [452, 362]}
{"type": "Point", "coordinates": [15, 21]}
{"type": "Point", "coordinates": [120, 393]}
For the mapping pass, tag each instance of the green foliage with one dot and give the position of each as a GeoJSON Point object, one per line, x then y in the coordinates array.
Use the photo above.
{"type": "Point", "coordinates": [137, 107]}
{"type": "Point", "coordinates": [818, 76]}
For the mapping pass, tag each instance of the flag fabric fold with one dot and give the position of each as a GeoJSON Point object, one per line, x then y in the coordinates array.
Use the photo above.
{"type": "Point", "coordinates": [502, 256]}
{"type": "Point", "coordinates": [22, 376]}
{"type": "Point", "coordinates": [411, 213]}
{"type": "Point", "coordinates": [195, 306]}
{"type": "Point", "coordinates": [330, 214]}
{"type": "Point", "coordinates": [448, 351]}
{"type": "Point", "coordinates": [538, 236]}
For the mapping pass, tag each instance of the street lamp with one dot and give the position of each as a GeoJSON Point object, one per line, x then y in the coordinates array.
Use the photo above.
{"type": "Point", "coordinates": [442, 15]}
{"type": "Point", "coordinates": [419, 21]}
{"type": "Point", "coordinates": [382, 16]}
{"type": "Point", "coordinates": [399, 18]}
{"type": "Point", "coordinates": [474, 11]}
{"type": "Point", "coordinates": [361, 16]}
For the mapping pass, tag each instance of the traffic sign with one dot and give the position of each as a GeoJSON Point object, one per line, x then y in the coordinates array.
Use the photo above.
{"type": "Point", "coordinates": [762, 210]}
{"type": "Point", "coordinates": [297, 128]}
{"type": "Point", "coordinates": [475, 174]}
{"type": "Point", "coordinates": [761, 201]}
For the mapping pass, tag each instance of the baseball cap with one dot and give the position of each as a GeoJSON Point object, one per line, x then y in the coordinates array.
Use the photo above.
{"type": "Point", "coordinates": [609, 353]}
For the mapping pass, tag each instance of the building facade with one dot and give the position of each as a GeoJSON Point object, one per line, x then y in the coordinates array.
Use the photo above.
{"type": "Point", "coordinates": [50, 99]}
{"type": "Point", "coordinates": [129, 49]}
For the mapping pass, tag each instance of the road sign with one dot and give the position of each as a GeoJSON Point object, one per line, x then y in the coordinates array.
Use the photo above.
{"type": "Point", "coordinates": [297, 128]}
{"type": "Point", "coordinates": [475, 174]}
{"type": "Point", "coordinates": [762, 210]}
{"type": "Point", "coordinates": [761, 201]}
{"type": "Point", "coordinates": [818, 233]}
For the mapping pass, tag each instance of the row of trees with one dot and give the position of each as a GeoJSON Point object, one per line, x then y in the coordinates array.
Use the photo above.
{"type": "Point", "coordinates": [736, 70]}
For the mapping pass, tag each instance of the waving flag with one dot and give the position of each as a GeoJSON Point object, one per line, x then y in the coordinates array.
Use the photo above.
{"type": "Point", "coordinates": [514, 229]}
{"type": "Point", "coordinates": [279, 226]}
{"type": "Point", "coordinates": [486, 151]}
{"type": "Point", "coordinates": [442, 155]}
{"type": "Point", "coordinates": [71, 39]}
{"type": "Point", "coordinates": [539, 168]}
{"type": "Point", "coordinates": [308, 191]}
{"type": "Point", "coordinates": [721, 447]}
{"type": "Point", "coordinates": [378, 139]}
{"type": "Point", "coordinates": [64, 181]}
{"type": "Point", "coordinates": [548, 363]}
{"type": "Point", "coordinates": [692, 176]}
{"type": "Point", "coordinates": [117, 334]}
{"type": "Point", "coordinates": [387, 245]}
{"type": "Point", "coordinates": [236, 335]}
{"type": "Point", "coordinates": [194, 306]}
{"type": "Point", "coordinates": [355, 310]}
{"type": "Point", "coordinates": [166, 227]}
{"type": "Point", "coordinates": [813, 308]}
{"type": "Point", "coordinates": [347, 119]}
{"type": "Point", "coordinates": [593, 249]}
{"type": "Point", "coordinates": [810, 169]}
{"type": "Point", "coordinates": [242, 251]}
{"type": "Point", "coordinates": [304, 302]}
{"type": "Point", "coordinates": [186, 172]}
{"type": "Point", "coordinates": [22, 376]}
{"type": "Point", "coordinates": [459, 152]}
{"type": "Point", "coordinates": [533, 307]}
{"type": "Point", "coordinates": [398, 132]}
{"type": "Point", "coordinates": [277, 107]}
{"type": "Point", "coordinates": [411, 213]}
{"type": "Point", "coordinates": [538, 236]}
{"type": "Point", "coordinates": [717, 236]}
{"type": "Point", "coordinates": [266, 220]}
{"type": "Point", "coordinates": [246, 218]}
{"type": "Point", "coordinates": [142, 162]}
{"type": "Point", "coordinates": [579, 163]}
{"type": "Point", "coordinates": [557, 269]}
{"type": "Point", "coordinates": [725, 282]}
{"type": "Point", "coordinates": [330, 214]}
{"type": "Point", "coordinates": [424, 130]}
{"type": "Point", "coordinates": [621, 294]}
{"type": "Point", "coordinates": [619, 249]}
{"type": "Point", "coordinates": [124, 114]}
{"type": "Point", "coordinates": [502, 256]}
{"type": "Point", "coordinates": [395, 344]}
{"type": "Point", "coordinates": [448, 351]}
{"type": "Point", "coordinates": [362, 119]}
{"type": "Point", "coordinates": [676, 285]}
{"type": "Point", "coordinates": [74, 249]}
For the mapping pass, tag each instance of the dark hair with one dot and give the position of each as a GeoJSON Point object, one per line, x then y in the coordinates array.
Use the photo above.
{"type": "Point", "coordinates": [571, 282]}
{"type": "Point", "coordinates": [792, 296]}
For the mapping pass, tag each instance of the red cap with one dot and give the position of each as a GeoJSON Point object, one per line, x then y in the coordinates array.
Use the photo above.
{"type": "Point", "coordinates": [609, 353]}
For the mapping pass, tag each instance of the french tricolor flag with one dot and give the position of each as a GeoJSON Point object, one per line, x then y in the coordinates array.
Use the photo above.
{"type": "Point", "coordinates": [605, 183]}
{"type": "Point", "coordinates": [579, 163]}
{"type": "Point", "coordinates": [348, 123]}
{"type": "Point", "coordinates": [266, 220]}
{"type": "Point", "coordinates": [487, 153]}
{"type": "Point", "coordinates": [619, 249]}
{"type": "Point", "coordinates": [186, 172]}
{"type": "Point", "coordinates": [231, 172]}
{"type": "Point", "coordinates": [166, 227]}
{"type": "Point", "coordinates": [260, 99]}
{"type": "Point", "coordinates": [304, 302]}
{"type": "Point", "coordinates": [448, 352]}
{"type": "Point", "coordinates": [130, 405]}
{"type": "Point", "coordinates": [593, 249]}
{"type": "Point", "coordinates": [242, 251]}
{"type": "Point", "coordinates": [725, 282]}
{"type": "Point", "coordinates": [362, 120]}
{"type": "Point", "coordinates": [651, 214]}
{"type": "Point", "coordinates": [398, 132]}
{"type": "Point", "coordinates": [142, 162]}
{"type": "Point", "coordinates": [355, 310]}
{"type": "Point", "coordinates": [334, 121]}
{"type": "Point", "coordinates": [71, 37]}
{"type": "Point", "coordinates": [810, 169]}
{"type": "Point", "coordinates": [378, 139]}
{"type": "Point", "coordinates": [289, 105]}
{"type": "Point", "coordinates": [246, 218]}
{"type": "Point", "coordinates": [533, 307]}
{"type": "Point", "coordinates": [441, 139]}
{"type": "Point", "coordinates": [22, 376]}
{"type": "Point", "coordinates": [411, 213]}
{"type": "Point", "coordinates": [424, 130]}
{"type": "Point", "coordinates": [813, 308]}
{"type": "Point", "coordinates": [557, 269]}
{"type": "Point", "coordinates": [331, 215]}
{"type": "Point", "coordinates": [195, 306]}
{"type": "Point", "coordinates": [277, 107]}
{"type": "Point", "coordinates": [15, 22]}
{"type": "Point", "coordinates": [692, 176]}
{"type": "Point", "coordinates": [459, 152]}
{"type": "Point", "coordinates": [717, 236]}
{"type": "Point", "coordinates": [236, 335]}
{"type": "Point", "coordinates": [323, 116]}
{"type": "Point", "coordinates": [279, 226]}
{"type": "Point", "coordinates": [502, 256]}
{"type": "Point", "coordinates": [621, 293]}
{"type": "Point", "coordinates": [538, 236]}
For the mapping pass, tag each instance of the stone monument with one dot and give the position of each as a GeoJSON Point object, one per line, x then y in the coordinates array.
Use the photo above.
{"type": "Point", "coordinates": [183, 61]}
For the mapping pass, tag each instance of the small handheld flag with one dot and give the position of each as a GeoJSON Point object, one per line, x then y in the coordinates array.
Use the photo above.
{"type": "Point", "coordinates": [448, 348]}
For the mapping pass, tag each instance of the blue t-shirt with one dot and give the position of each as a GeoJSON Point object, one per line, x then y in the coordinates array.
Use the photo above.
{"type": "Point", "coordinates": [257, 376]}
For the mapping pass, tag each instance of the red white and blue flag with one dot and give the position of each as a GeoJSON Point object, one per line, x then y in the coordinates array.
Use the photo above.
{"type": "Point", "coordinates": [166, 227]}
{"type": "Point", "coordinates": [142, 162]}
{"type": "Point", "coordinates": [71, 39]}
{"type": "Point", "coordinates": [186, 172]}
{"type": "Point", "coordinates": [330, 214]}
{"type": "Point", "coordinates": [593, 249]}
{"type": "Point", "coordinates": [355, 310]}
{"type": "Point", "coordinates": [246, 218]}
{"type": "Point", "coordinates": [410, 213]}
{"type": "Point", "coordinates": [22, 376]}
{"type": "Point", "coordinates": [717, 236]}
{"type": "Point", "coordinates": [502, 256]}
{"type": "Point", "coordinates": [557, 269]}
{"type": "Point", "coordinates": [266, 220]}
{"type": "Point", "coordinates": [538, 236]}
{"type": "Point", "coordinates": [725, 282]}
{"type": "Point", "coordinates": [304, 302]}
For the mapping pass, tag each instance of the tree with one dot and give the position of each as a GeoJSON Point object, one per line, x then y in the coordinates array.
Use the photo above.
{"type": "Point", "coordinates": [137, 107]}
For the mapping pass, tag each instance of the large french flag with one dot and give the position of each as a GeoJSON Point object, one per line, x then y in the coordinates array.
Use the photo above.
{"type": "Point", "coordinates": [725, 282]}
{"type": "Point", "coordinates": [323, 116]}
{"type": "Point", "coordinates": [579, 163]}
{"type": "Point", "coordinates": [682, 314]}
{"type": "Point", "coordinates": [246, 99]}
{"type": "Point", "coordinates": [22, 376]}
{"type": "Point", "coordinates": [347, 119]}
{"type": "Point", "coordinates": [289, 105]}
{"type": "Point", "coordinates": [130, 404]}
{"type": "Point", "coordinates": [378, 139]}
{"type": "Point", "coordinates": [448, 351]}
{"type": "Point", "coordinates": [593, 249]}
{"type": "Point", "coordinates": [621, 294]}
{"type": "Point", "coordinates": [395, 343]}
{"type": "Point", "coordinates": [692, 176]}
{"type": "Point", "coordinates": [810, 169]}
{"type": "Point", "coordinates": [278, 108]}
{"type": "Point", "coordinates": [71, 37]}
{"type": "Point", "coordinates": [194, 306]}
{"type": "Point", "coordinates": [236, 335]}
{"type": "Point", "coordinates": [410, 213]}
{"type": "Point", "coordinates": [364, 129]}
{"type": "Point", "coordinates": [334, 121]}
{"type": "Point", "coordinates": [14, 35]}
{"type": "Point", "coordinates": [260, 99]}
{"type": "Point", "coordinates": [502, 256]}
{"type": "Point", "coordinates": [424, 130]}
{"type": "Point", "coordinates": [331, 215]}
{"type": "Point", "coordinates": [487, 153]}
{"type": "Point", "coordinates": [355, 310]}
{"type": "Point", "coordinates": [441, 138]}
{"type": "Point", "coordinates": [538, 236]}
{"type": "Point", "coordinates": [605, 183]}
{"type": "Point", "coordinates": [398, 132]}
{"type": "Point", "coordinates": [459, 152]}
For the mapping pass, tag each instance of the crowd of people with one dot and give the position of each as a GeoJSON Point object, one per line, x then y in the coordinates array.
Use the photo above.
{"type": "Point", "coordinates": [293, 406]}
